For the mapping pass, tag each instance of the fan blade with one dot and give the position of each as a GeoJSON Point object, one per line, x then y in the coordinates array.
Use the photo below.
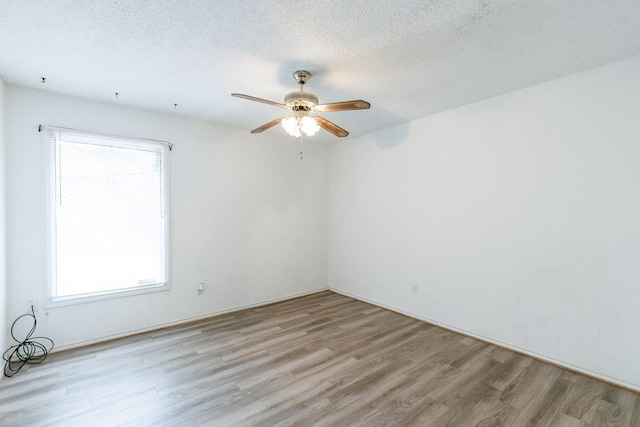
{"type": "Point", "coordinates": [264, 101]}
{"type": "Point", "coordinates": [331, 127]}
{"type": "Point", "coordinates": [266, 126]}
{"type": "Point", "coordinates": [357, 104]}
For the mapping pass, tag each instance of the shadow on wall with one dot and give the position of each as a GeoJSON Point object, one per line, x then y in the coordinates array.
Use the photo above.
{"type": "Point", "coordinates": [390, 137]}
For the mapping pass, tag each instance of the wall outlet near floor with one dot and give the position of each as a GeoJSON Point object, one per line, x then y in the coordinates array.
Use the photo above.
{"type": "Point", "coordinates": [200, 288]}
{"type": "Point", "coordinates": [32, 302]}
{"type": "Point", "coordinates": [414, 288]}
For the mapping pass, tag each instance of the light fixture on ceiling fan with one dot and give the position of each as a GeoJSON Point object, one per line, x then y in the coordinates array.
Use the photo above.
{"type": "Point", "coordinates": [295, 125]}
{"type": "Point", "coordinates": [303, 104]}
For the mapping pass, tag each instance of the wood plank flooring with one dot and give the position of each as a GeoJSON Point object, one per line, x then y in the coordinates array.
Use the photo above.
{"type": "Point", "coordinates": [319, 360]}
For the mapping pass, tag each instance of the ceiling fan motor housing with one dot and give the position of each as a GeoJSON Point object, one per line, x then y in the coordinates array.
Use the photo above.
{"type": "Point", "coordinates": [301, 101]}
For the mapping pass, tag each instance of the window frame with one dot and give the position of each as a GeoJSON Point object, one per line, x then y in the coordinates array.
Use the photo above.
{"type": "Point", "coordinates": [164, 147]}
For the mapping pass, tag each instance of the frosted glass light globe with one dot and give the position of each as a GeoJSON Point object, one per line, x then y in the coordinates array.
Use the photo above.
{"type": "Point", "coordinates": [309, 125]}
{"type": "Point", "coordinates": [290, 125]}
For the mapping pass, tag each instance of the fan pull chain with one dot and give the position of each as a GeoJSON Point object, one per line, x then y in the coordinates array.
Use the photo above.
{"type": "Point", "coordinates": [300, 145]}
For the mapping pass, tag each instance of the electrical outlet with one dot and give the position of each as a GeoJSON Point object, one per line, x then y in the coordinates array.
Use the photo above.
{"type": "Point", "coordinates": [414, 289]}
{"type": "Point", "coordinates": [30, 303]}
{"type": "Point", "coordinates": [200, 288]}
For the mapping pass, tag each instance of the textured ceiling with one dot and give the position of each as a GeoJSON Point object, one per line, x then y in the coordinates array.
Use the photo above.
{"type": "Point", "coordinates": [407, 58]}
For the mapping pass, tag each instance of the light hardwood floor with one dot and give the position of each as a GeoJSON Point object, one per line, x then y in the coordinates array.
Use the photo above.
{"type": "Point", "coordinates": [319, 360]}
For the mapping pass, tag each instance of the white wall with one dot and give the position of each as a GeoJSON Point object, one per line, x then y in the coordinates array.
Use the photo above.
{"type": "Point", "coordinates": [4, 333]}
{"type": "Point", "coordinates": [517, 216]}
{"type": "Point", "coordinates": [248, 217]}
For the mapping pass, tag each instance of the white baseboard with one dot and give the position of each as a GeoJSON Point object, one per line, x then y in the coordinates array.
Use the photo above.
{"type": "Point", "coordinates": [182, 321]}
{"type": "Point", "coordinates": [526, 352]}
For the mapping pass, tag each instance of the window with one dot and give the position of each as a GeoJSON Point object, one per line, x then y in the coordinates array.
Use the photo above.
{"type": "Point", "coordinates": [108, 215]}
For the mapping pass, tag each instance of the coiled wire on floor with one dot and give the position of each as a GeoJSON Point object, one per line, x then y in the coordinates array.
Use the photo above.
{"type": "Point", "coordinates": [30, 351]}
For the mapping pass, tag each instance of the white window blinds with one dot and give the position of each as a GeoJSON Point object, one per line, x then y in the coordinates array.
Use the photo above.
{"type": "Point", "coordinates": [108, 214]}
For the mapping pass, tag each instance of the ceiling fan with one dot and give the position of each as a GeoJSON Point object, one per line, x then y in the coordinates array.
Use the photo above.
{"type": "Point", "coordinates": [302, 104]}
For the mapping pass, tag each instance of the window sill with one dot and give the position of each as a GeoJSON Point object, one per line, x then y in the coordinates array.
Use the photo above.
{"type": "Point", "coordinates": [55, 302]}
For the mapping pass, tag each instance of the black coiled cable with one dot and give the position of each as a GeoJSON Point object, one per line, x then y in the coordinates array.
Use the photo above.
{"type": "Point", "coordinates": [28, 351]}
